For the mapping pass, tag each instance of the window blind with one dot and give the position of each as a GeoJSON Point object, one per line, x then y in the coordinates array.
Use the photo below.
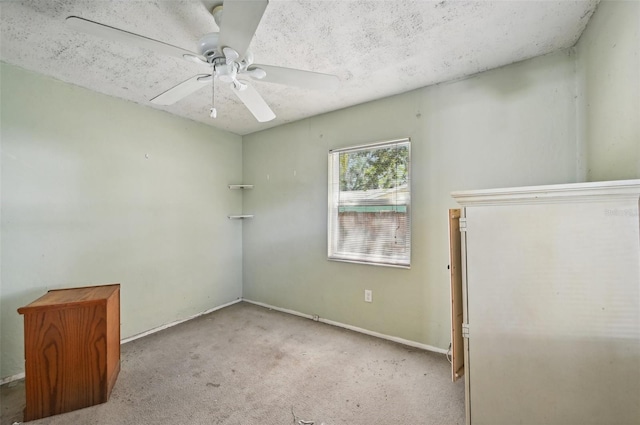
{"type": "Point", "coordinates": [370, 204]}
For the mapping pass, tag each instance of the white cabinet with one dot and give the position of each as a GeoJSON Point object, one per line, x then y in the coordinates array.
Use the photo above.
{"type": "Point", "coordinates": [551, 285]}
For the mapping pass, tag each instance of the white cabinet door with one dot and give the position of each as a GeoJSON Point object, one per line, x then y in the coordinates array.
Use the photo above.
{"type": "Point", "coordinates": [553, 299]}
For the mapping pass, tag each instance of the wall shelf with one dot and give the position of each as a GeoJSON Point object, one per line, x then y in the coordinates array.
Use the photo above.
{"type": "Point", "coordinates": [240, 187]}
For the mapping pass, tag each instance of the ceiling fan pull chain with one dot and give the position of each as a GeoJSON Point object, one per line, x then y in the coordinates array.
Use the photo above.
{"type": "Point", "coordinates": [213, 113]}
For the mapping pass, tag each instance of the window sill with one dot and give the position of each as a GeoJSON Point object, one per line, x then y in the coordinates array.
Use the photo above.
{"type": "Point", "coordinates": [370, 263]}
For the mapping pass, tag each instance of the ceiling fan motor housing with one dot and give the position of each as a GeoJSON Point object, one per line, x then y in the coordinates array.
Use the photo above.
{"type": "Point", "coordinates": [208, 46]}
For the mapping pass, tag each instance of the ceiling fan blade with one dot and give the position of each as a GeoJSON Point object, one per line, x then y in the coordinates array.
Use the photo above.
{"type": "Point", "coordinates": [254, 102]}
{"type": "Point", "coordinates": [182, 90]}
{"type": "Point", "coordinates": [126, 37]}
{"type": "Point", "coordinates": [240, 19]}
{"type": "Point", "coordinates": [298, 78]}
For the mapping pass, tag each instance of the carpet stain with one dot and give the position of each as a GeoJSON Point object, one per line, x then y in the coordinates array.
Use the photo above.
{"type": "Point", "coordinates": [211, 384]}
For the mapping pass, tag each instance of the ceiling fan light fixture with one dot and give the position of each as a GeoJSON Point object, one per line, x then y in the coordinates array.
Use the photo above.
{"type": "Point", "coordinates": [226, 72]}
{"type": "Point", "coordinates": [230, 54]}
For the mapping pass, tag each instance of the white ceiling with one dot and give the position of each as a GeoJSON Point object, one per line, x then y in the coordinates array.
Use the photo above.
{"type": "Point", "coordinates": [377, 48]}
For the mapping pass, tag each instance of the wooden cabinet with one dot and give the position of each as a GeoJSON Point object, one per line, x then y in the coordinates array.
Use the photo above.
{"type": "Point", "coordinates": [72, 349]}
{"type": "Point", "coordinates": [551, 303]}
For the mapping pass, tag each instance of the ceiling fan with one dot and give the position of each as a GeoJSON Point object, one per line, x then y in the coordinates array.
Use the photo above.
{"type": "Point", "coordinates": [225, 53]}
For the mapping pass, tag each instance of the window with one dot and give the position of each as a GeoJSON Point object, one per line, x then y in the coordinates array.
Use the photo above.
{"type": "Point", "coordinates": [370, 204]}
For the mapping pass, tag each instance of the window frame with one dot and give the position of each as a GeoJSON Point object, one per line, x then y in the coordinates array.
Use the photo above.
{"type": "Point", "coordinates": [333, 206]}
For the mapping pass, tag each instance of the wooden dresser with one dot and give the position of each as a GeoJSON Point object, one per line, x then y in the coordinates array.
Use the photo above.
{"type": "Point", "coordinates": [72, 349]}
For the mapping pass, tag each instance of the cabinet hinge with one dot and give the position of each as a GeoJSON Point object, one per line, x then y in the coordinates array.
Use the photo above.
{"type": "Point", "coordinates": [465, 330]}
{"type": "Point", "coordinates": [463, 224]}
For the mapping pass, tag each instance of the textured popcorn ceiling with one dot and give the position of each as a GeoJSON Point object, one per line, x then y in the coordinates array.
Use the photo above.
{"type": "Point", "coordinates": [377, 48]}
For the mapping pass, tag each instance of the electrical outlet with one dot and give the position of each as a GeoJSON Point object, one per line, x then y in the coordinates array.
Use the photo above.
{"type": "Point", "coordinates": [368, 295]}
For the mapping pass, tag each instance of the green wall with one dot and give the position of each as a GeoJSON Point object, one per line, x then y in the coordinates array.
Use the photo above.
{"type": "Point", "coordinates": [97, 190]}
{"type": "Point", "coordinates": [608, 81]}
{"type": "Point", "coordinates": [507, 127]}
{"type": "Point", "coordinates": [565, 117]}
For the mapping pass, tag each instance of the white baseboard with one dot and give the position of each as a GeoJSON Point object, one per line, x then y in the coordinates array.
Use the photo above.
{"type": "Point", "coordinates": [177, 322]}
{"type": "Point", "coordinates": [354, 328]}
{"type": "Point", "coordinates": [12, 378]}
{"type": "Point", "coordinates": [284, 310]}
{"type": "Point", "coordinates": [140, 335]}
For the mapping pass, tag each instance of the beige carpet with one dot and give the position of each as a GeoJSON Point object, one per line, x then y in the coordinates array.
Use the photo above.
{"type": "Point", "coordinates": [246, 364]}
